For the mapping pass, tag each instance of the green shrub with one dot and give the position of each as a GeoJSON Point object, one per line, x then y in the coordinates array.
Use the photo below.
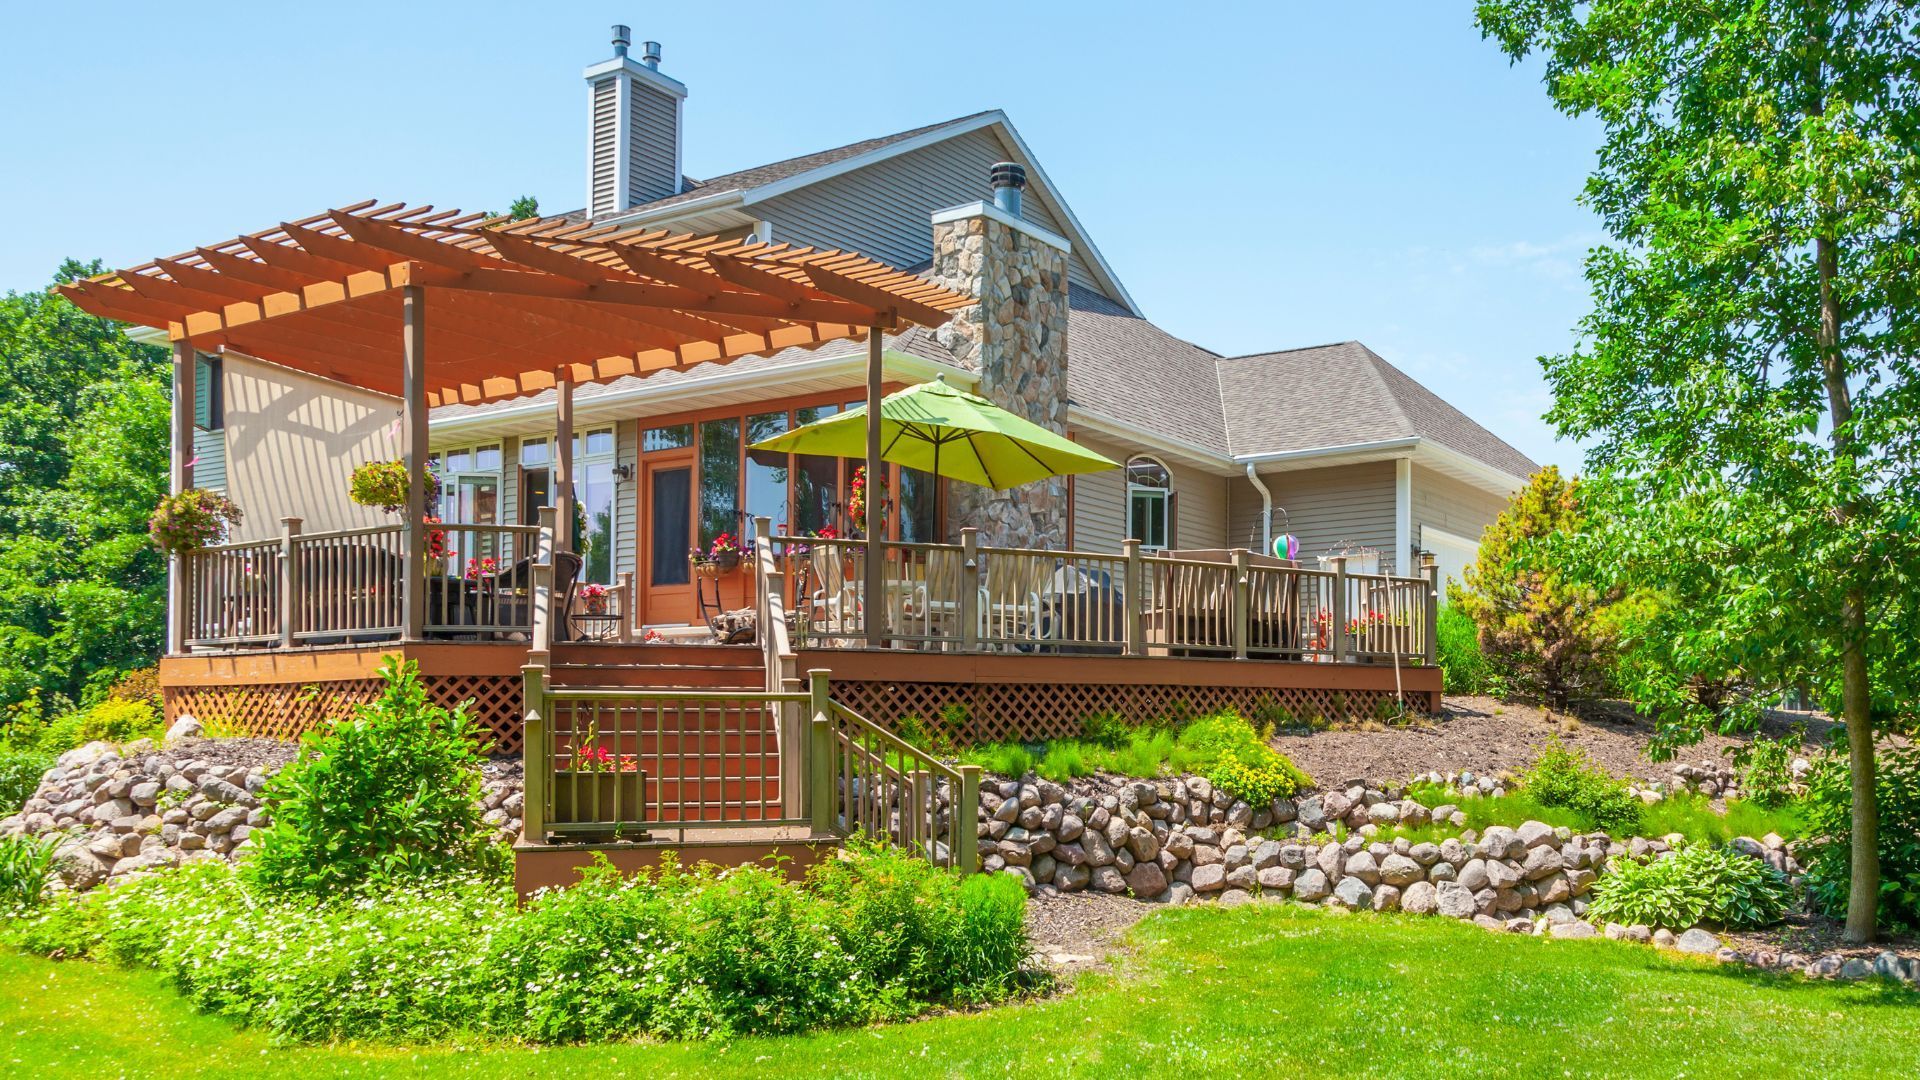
{"type": "Point", "coordinates": [704, 953]}
{"type": "Point", "coordinates": [392, 791]}
{"type": "Point", "coordinates": [20, 772]}
{"type": "Point", "coordinates": [26, 869]}
{"type": "Point", "coordinates": [1462, 665]}
{"type": "Point", "coordinates": [1107, 728]}
{"type": "Point", "coordinates": [1829, 809]}
{"type": "Point", "coordinates": [1565, 777]}
{"type": "Point", "coordinates": [1697, 884]}
{"type": "Point", "coordinates": [1766, 769]}
{"type": "Point", "coordinates": [1238, 758]}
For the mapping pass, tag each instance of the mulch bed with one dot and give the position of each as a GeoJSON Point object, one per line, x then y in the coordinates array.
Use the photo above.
{"type": "Point", "coordinates": [1075, 931]}
{"type": "Point", "coordinates": [1816, 935]}
{"type": "Point", "coordinates": [1487, 736]}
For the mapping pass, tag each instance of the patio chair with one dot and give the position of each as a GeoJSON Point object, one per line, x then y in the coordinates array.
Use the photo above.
{"type": "Point", "coordinates": [931, 607]}
{"type": "Point", "coordinates": [504, 601]}
{"type": "Point", "coordinates": [833, 607]}
{"type": "Point", "coordinates": [1011, 611]}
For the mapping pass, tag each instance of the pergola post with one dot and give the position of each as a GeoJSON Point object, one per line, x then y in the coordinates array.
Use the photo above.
{"type": "Point", "coordinates": [179, 479]}
{"type": "Point", "coordinates": [564, 540]}
{"type": "Point", "coordinates": [413, 448]}
{"type": "Point", "coordinates": [875, 605]}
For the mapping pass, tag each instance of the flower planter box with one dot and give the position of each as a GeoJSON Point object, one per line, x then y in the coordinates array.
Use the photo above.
{"type": "Point", "coordinates": [589, 797]}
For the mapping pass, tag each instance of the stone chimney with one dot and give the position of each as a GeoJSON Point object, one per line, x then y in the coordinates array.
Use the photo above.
{"type": "Point", "coordinates": [634, 129]}
{"type": "Point", "coordinates": [1016, 338]}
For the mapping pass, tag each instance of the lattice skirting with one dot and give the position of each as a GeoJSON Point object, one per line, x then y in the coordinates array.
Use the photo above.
{"type": "Point", "coordinates": [289, 710]}
{"type": "Point", "coordinates": [995, 712]}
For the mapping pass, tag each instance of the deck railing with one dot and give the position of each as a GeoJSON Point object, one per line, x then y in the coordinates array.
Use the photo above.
{"type": "Point", "coordinates": [1228, 604]}
{"type": "Point", "coordinates": [349, 585]}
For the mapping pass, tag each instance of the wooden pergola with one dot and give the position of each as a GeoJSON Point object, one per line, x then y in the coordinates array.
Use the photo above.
{"type": "Point", "coordinates": [355, 295]}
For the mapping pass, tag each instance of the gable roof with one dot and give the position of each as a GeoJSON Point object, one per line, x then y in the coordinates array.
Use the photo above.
{"type": "Point", "coordinates": [745, 187]}
{"type": "Point", "coordinates": [1339, 395]}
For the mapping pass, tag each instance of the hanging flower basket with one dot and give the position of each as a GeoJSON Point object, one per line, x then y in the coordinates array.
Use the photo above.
{"type": "Point", "coordinates": [185, 523]}
{"type": "Point", "coordinates": [384, 484]}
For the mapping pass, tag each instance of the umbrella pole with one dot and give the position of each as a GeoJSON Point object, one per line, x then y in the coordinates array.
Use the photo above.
{"type": "Point", "coordinates": [875, 605]}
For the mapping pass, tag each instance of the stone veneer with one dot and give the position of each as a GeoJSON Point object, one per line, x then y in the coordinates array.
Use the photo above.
{"type": "Point", "coordinates": [1016, 338]}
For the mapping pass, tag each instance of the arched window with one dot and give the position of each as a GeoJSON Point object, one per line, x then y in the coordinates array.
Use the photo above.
{"type": "Point", "coordinates": [1149, 503]}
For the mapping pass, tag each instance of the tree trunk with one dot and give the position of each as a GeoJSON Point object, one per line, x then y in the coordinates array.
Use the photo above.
{"type": "Point", "coordinates": [1856, 694]}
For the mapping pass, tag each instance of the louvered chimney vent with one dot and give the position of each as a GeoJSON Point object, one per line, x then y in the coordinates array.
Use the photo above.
{"type": "Point", "coordinates": [634, 117]}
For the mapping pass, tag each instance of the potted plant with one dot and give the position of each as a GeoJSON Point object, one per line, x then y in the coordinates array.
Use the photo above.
{"type": "Point", "coordinates": [436, 544]}
{"type": "Point", "coordinates": [383, 484]}
{"type": "Point", "coordinates": [185, 523]}
{"type": "Point", "coordinates": [594, 598]}
{"type": "Point", "coordinates": [600, 787]}
{"type": "Point", "coordinates": [721, 557]}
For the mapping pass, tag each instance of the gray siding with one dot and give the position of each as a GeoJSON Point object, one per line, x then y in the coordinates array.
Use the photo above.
{"type": "Point", "coordinates": [883, 210]}
{"type": "Point", "coordinates": [654, 135]}
{"type": "Point", "coordinates": [626, 496]}
{"type": "Point", "coordinates": [210, 460]}
{"type": "Point", "coordinates": [1100, 502]}
{"type": "Point", "coordinates": [606, 144]}
{"type": "Point", "coordinates": [1452, 505]}
{"type": "Point", "coordinates": [1326, 508]}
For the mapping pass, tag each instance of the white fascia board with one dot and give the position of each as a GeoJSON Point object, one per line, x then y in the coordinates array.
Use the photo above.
{"type": "Point", "coordinates": [910, 366]}
{"type": "Point", "coordinates": [1376, 446]}
{"type": "Point", "coordinates": [705, 204]}
{"type": "Point", "coordinates": [639, 71]}
{"type": "Point", "coordinates": [1079, 231]}
{"type": "Point", "coordinates": [1494, 480]}
{"type": "Point", "coordinates": [147, 335]}
{"type": "Point", "coordinates": [989, 210]}
{"type": "Point", "coordinates": [1121, 431]}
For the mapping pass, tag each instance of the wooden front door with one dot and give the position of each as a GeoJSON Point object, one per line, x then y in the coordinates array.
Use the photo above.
{"type": "Point", "coordinates": [666, 535]}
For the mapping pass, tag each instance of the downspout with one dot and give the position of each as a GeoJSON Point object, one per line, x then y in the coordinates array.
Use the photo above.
{"type": "Point", "coordinates": [1266, 508]}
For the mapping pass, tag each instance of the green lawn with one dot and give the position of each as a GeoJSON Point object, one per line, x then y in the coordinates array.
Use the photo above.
{"type": "Point", "coordinates": [1260, 990]}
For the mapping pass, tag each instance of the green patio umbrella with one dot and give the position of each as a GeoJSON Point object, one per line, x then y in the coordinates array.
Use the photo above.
{"type": "Point", "coordinates": [948, 432]}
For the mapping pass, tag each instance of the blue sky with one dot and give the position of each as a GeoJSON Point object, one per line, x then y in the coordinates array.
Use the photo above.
{"type": "Point", "coordinates": [1261, 176]}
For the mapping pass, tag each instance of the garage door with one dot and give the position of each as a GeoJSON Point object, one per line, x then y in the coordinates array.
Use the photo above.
{"type": "Point", "coordinates": [1452, 553]}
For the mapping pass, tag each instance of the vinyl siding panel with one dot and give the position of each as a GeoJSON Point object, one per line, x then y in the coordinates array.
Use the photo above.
{"type": "Point", "coordinates": [1452, 505]}
{"type": "Point", "coordinates": [210, 460]}
{"type": "Point", "coordinates": [603, 157]}
{"type": "Point", "coordinates": [655, 135]}
{"type": "Point", "coordinates": [1326, 509]}
{"type": "Point", "coordinates": [883, 210]}
{"type": "Point", "coordinates": [626, 497]}
{"type": "Point", "coordinates": [292, 444]}
{"type": "Point", "coordinates": [1100, 503]}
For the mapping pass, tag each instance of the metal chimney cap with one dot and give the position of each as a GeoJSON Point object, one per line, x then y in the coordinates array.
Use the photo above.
{"type": "Point", "coordinates": [622, 37]}
{"type": "Point", "coordinates": [1007, 174]}
{"type": "Point", "coordinates": [650, 53]}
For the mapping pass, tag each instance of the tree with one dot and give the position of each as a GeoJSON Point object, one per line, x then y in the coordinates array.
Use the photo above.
{"type": "Point", "coordinates": [1544, 630]}
{"type": "Point", "coordinates": [83, 459]}
{"type": "Point", "coordinates": [1748, 371]}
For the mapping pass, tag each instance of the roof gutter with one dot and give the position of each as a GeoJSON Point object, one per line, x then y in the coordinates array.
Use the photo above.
{"type": "Point", "coordinates": [1407, 443]}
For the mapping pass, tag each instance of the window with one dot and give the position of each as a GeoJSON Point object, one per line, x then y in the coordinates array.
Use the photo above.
{"type": "Point", "coordinates": [719, 479]}
{"type": "Point", "coordinates": [766, 479]}
{"type": "Point", "coordinates": [1149, 503]}
{"type": "Point", "coordinates": [593, 490]}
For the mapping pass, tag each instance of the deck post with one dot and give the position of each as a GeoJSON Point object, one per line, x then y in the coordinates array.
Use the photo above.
{"type": "Point", "coordinates": [626, 606]}
{"type": "Point", "coordinates": [1134, 593]}
{"type": "Point", "coordinates": [969, 590]}
{"type": "Point", "coordinates": [564, 540]}
{"type": "Point", "coordinates": [537, 753]}
{"type": "Point", "coordinates": [1338, 631]}
{"type": "Point", "coordinates": [873, 605]}
{"type": "Point", "coordinates": [1430, 569]}
{"type": "Point", "coordinates": [289, 579]}
{"type": "Point", "coordinates": [820, 794]}
{"type": "Point", "coordinates": [966, 821]}
{"type": "Point", "coordinates": [413, 449]}
{"type": "Point", "coordinates": [539, 651]}
{"type": "Point", "coordinates": [180, 478]}
{"type": "Point", "coordinates": [1242, 601]}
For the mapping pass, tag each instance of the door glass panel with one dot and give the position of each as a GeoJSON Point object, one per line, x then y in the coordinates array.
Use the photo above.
{"type": "Point", "coordinates": [917, 507]}
{"type": "Point", "coordinates": [670, 514]}
{"type": "Point", "coordinates": [536, 492]}
{"type": "Point", "coordinates": [816, 480]}
{"type": "Point", "coordinates": [719, 479]}
{"type": "Point", "coordinates": [596, 509]}
{"type": "Point", "coordinates": [476, 501]}
{"type": "Point", "coordinates": [767, 471]}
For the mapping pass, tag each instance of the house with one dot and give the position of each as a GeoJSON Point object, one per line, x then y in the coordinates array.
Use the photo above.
{"type": "Point", "coordinates": [587, 388]}
{"type": "Point", "coordinates": [1331, 443]}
